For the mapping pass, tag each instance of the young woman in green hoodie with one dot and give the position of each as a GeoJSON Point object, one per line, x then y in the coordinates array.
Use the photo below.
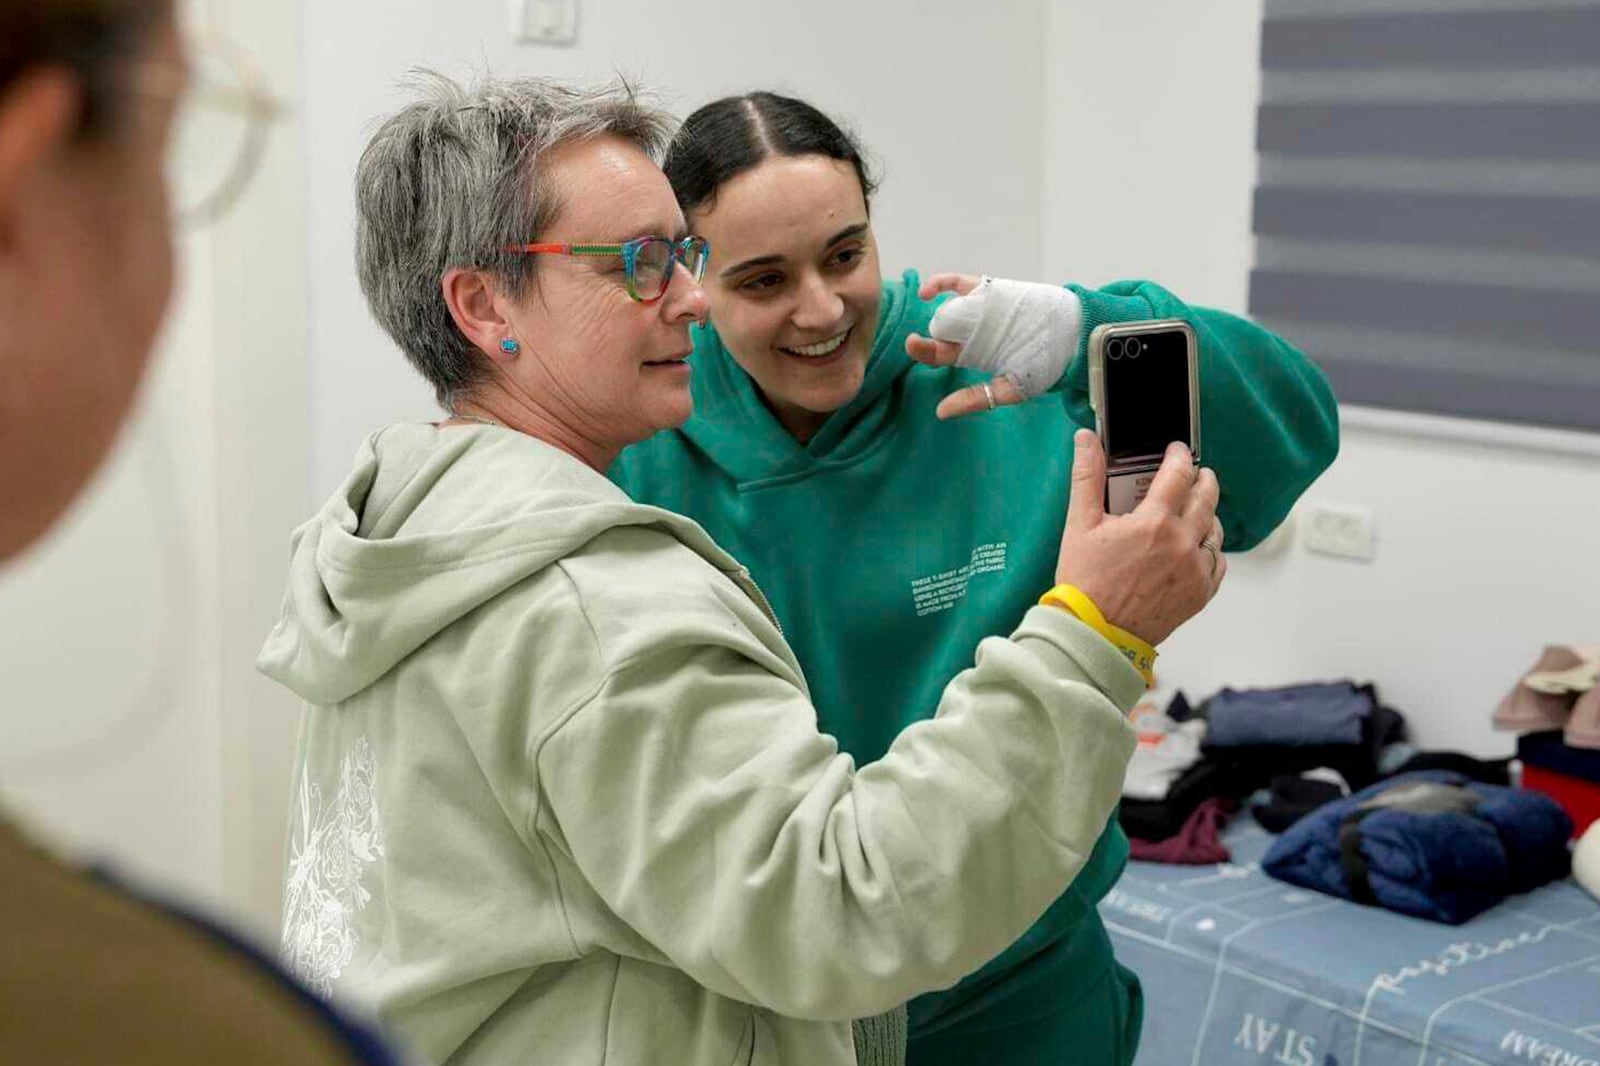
{"type": "Point", "coordinates": [888, 539]}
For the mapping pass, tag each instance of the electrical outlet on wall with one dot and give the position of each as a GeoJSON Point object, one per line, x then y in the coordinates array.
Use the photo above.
{"type": "Point", "coordinates": [544, 21]}
{"type": "Point", "coordinates": [1339, 529]}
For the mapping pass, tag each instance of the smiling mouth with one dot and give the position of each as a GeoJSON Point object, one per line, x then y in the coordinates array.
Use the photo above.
{"type": "Point", "coordinates": [817, 351]}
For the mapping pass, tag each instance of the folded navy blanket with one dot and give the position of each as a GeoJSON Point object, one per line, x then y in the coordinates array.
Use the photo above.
{"type": "Point", "coordinates": [1433, 844]}
{"type": "Point", "coordinates": [1328, 713]}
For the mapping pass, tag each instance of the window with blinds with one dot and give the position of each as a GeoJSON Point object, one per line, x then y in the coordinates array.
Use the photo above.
{"type": "Point", "coordinates": [1427, 215]}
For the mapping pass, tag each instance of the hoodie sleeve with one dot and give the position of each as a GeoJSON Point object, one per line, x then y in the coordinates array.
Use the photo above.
{"type": "Point", "coordinates": [1269, 424]}
{"type": "Point", "coordinates": [701, 803]}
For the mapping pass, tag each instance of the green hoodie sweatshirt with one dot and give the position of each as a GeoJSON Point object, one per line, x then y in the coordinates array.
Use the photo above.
{"type": "Point", "coordinates": [561, 797]}
{"type": "Point", "coordinates": [891, 542]}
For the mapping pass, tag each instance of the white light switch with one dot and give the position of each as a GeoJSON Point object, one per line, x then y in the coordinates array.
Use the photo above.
{"type": "Point", "coordinates": [544, 21]}
{"type": "Point", "coordinates": [1337, 529]}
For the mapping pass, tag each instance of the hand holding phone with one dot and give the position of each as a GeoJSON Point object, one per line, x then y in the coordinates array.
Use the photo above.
{"type": "Point", "coordinates": [1144, 385]}
{"type": "Point", "coordinates": [1149, 571]}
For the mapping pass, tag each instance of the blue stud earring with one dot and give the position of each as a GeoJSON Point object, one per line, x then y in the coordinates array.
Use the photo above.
{"type": "Point", "coordinates": [510, 346]}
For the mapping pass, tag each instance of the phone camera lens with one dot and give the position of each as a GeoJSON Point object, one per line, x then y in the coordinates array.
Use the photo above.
{"type": "Point", "coordinates": [1135, 346]}
{"type": "Point", "coordinates": [1114, 349]}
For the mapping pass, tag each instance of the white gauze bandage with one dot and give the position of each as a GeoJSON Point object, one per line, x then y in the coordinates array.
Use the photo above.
{"type": "Point", "coordinates": [1024, 330]}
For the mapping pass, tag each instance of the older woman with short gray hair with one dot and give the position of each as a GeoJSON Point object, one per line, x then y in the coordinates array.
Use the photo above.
{"type": "Point", "coordinates": [560, 795]}
{"type": "Point", "coordinates": [448, 181]}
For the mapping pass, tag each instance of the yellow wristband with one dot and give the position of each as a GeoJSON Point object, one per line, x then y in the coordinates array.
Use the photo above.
{"type": "Point", "coordinates": [1073, 600]}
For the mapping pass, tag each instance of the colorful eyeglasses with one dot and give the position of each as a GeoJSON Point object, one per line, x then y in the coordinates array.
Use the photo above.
{"type": "Point", "coordinates": [648, 261]}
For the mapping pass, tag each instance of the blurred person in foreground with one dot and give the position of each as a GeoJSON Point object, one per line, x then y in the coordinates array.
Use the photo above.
{"type": "Point", "coordinates": [89, 972]}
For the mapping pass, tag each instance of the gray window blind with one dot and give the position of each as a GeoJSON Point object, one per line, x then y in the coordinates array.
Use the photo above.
{"type": "Point", "coordinates": [1427, 215]}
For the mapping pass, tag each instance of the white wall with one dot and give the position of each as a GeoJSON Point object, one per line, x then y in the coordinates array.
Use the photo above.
{"type": "Point", "coordinates": [1488, 540]}
{"type": "Point", "coordinates": [1149, 144]}
{"type": "Point", "coordinates": [948, 94]}
{"type": "Point", "coordinates": [263, 448]}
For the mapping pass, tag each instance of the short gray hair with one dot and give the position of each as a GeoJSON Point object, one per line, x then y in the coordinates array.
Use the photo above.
{"type": "Point", "coordinates": [452, 179]}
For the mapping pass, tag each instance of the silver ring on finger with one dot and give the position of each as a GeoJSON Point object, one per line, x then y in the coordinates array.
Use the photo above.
{"type": "Point", "coordinates": [1211, 546]}
{"type": "Point", "coordinates": [988, 395]}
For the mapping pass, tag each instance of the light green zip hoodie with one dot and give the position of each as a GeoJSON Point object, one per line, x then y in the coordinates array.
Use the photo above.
{"type": "Point", "coordinates": [561, 798]}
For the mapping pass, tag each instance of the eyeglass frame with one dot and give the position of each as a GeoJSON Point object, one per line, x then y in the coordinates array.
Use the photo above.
{"type": "Point", "coordinates": [250, 99]}
{"type": "Point", "coordinates": [629, 252]}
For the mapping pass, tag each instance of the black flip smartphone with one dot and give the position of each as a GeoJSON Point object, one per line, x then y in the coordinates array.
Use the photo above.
{"type": "Point", "coordinates": [1144, 383]}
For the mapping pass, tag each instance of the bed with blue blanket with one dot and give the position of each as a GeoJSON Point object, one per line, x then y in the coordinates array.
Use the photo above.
{"type": "Point", "coordinates": [1241, 969]}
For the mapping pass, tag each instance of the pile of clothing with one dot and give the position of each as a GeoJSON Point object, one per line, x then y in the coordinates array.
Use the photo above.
{"type": "Point", "coordinates": [1431, 844]}
{"type": "Point", "coordinates": [1365, 816]}
{"type": "Point", "coordinates": [1568, 775]}
{"type": "Point", "coordinates": [1555, 707]}
{"type": "Point", "coordinates": [1195, 766]}
{"type": "Point", "coordinates": [1561, 692]}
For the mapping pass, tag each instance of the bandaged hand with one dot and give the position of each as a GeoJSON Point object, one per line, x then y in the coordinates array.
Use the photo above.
{"type": "Point", "coordinates": [1024, 333]}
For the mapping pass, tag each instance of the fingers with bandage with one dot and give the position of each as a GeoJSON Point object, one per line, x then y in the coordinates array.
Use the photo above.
{"type": "Point", "coordinates": [1024, 333]}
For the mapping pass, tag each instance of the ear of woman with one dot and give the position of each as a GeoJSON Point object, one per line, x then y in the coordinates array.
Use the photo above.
{"type": "Point", "coordinates": [38, 117]}
{"type": "Point", "coordinates": [477, 313]}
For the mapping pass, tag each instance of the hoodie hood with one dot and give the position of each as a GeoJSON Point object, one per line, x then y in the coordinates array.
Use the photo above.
{"type": "Point", "coordinates": [430, 525]}
{"type": "Point", "coordinates": [735, 428]}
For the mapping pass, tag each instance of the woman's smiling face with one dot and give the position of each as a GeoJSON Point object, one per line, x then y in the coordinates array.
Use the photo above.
{"type": "Point", "coordinates": [794, 283]}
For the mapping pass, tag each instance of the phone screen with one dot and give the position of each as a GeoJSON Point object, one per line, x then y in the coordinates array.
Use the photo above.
{"type": "Point", "coordinates": [1146, 394]}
